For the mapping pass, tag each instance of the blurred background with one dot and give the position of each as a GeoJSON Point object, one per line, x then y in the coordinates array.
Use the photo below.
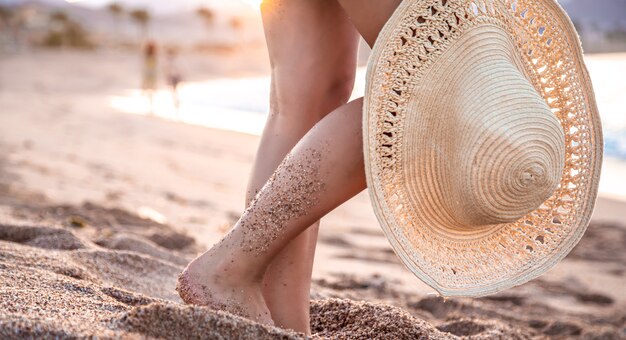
{"type": "Point", "coordinates": [210, 66]}
{"type": "Point", "coordinates": [198, 40]}
{"type": "Point", "coordinates": [203, 62]}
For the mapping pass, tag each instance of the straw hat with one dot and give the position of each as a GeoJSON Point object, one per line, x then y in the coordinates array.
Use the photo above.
{"type": "Point", "coordinates": [482, 140]}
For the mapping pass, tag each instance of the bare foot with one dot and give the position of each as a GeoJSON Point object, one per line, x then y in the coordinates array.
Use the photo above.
{"type": "Point", "coordinates": [207, 283]}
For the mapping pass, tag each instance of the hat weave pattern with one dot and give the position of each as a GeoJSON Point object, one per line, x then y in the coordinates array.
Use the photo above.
{"type": "Point", "coordinates": [548, 54]}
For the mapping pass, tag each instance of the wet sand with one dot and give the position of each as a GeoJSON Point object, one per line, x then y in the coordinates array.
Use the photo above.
{"type": "Point", "coordinates": [100, 211]}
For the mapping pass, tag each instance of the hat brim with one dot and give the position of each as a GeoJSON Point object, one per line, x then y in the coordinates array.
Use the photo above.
{"type": "Point", "coordinates": [416, 35]}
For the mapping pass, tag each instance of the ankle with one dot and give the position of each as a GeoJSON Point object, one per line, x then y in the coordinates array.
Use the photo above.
{"type": "Point", "coordinates": [229, 268]}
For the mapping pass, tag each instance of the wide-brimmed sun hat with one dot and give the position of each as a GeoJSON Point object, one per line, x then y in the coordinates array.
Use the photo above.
{"type": "Point", "coordinates": [482, 140]}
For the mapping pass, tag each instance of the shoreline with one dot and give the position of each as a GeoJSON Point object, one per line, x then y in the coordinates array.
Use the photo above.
{"type": "Point", "coordinates": [239, 104]}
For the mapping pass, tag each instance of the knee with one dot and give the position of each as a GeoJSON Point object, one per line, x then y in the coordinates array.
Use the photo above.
{"type": "Point", "coordinates": [340, 89]}
{"type": "Point", "coordinates": [313, 96]}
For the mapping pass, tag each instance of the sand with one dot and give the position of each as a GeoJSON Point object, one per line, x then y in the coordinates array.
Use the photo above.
{"type": "Point", "coordinates": [57, 283]}
{"type": "Point", "coordinates": [100, 211]}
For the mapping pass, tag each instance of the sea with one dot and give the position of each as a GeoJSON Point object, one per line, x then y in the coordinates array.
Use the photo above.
{"type": "Point", "coordinates": [242, 104]}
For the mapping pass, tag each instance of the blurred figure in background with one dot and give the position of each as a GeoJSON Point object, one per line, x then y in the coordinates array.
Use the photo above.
{"type": "Point", "coordinates": [149, 82]}
{"type": "Point", "coordinates": [173, 76]}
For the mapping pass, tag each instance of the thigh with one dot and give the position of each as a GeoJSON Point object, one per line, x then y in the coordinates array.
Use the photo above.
{"type": "Point", "coordinates": [369, 16]}
{"type": "Point", "coordinates": [312, 46]}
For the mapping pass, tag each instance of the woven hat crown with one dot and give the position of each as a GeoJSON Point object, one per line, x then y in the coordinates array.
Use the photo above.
{"type": "Point", "coordinates": [497, 148]}
{"type": "Point", "coordinates": [509, 150]}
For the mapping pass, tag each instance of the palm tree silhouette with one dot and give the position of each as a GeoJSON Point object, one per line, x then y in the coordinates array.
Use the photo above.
{"type": "Point", "coordinates": [207, 15]}
{"type": "Point", "coordinates": [142, 18]}
{"type": "Point", "coordinates": [116, 9]}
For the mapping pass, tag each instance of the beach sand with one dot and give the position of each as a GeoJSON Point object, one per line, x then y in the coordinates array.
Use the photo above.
{"type": "Point", "coordinates": [99, 212]}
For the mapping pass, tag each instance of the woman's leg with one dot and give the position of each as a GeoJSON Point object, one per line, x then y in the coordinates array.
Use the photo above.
{"type": "Point", "coordinates": [312, 47]}
{"type": "Point", "coordinates": [321, 172]}
{"type": "Point", "coordinates": [369, 16]}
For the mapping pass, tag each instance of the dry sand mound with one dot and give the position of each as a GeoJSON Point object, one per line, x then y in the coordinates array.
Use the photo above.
{"type": "Point", "coordinates": [518, 313]}
{"type": "Point", "coordinates": [49, 291]}
{"type": "Point", "coordinates": [190, 322]}
{"type": "Point", "coordinates": [116, 280]}
{"type": "Point", "coordinates": [65, 286]}
{"type": "Point", "coordinates": [347, 319]}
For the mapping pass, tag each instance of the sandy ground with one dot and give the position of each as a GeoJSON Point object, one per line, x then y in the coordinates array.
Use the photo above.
{"type": "Point", "coordinates": [100, 210]}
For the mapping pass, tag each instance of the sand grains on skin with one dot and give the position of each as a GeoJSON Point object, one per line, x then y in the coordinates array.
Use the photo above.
{"type": "Point", "coordinates": [287, 195]}
{"type": "Point", "coordinates": [211, 279]}
{"type": "Point", "coordinates": [204, 283]}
